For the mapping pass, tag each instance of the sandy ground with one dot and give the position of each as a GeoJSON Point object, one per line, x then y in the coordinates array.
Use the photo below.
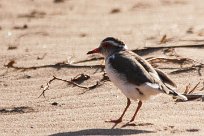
{"type": "Point", "coordinates": [42, 33]}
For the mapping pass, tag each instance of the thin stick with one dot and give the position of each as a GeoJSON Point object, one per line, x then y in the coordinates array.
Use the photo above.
{"type": "Point", "coordinates": [178, 46]}
{"type": "Point", "coordinates": [194, 67]}
{"type": "Point", "coordinates": [190, 92]}
{"type": "Point", "coordinates": [202, 87]}
{"type": "Point", "coordinates": [174, 60]}
{"type": "Point", "coordinates": [187, 89]}
{"type": "Point", "coordinates": [72, 81]}
{"type": "Point", "coordinates": [58, 65]}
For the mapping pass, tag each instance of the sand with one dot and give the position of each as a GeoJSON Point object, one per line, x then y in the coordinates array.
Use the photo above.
{"type": "Point", "coordinates": [44, 32]}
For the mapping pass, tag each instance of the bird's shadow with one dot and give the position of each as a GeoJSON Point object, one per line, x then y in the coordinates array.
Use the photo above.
{"type": "Point", "coordinates": [103, 132]}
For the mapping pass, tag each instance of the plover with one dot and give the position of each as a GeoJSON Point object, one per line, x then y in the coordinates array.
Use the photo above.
{"type": "Point", "coordinates": [133, 75]}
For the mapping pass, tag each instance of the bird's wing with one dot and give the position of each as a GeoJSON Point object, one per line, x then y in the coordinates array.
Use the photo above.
{"type": "Point", "coordinates": [138, 71]}
{"type": "Point", "coordinates": [125, 63]}
{"type": "Point", "coordinates": [160, 78]}
{"type": "Point", "coordinates": [165, 78]}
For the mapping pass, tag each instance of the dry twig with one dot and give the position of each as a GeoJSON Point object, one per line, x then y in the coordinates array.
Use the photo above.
{"type": "Point", "coordinates": [163, 39]}
{"type": "Point", "coordinates": [187, 69]}
{"type": "Point", "coordinates": [187, 89]}
{"type": "Point", "coordinates": [41, 57]}
{"type": "Point", "coordinates": [73, 81]}
{"type": "Point", "coordinates": [189, 94]}
{"type": "Point", "coordinates": [202, 87]}
{"type": "Point", "coordinates": [58, 66]}
{"type": "Point", "coordinates": [193, 89]}
{"type": "Point", "coordinates": [173, 60]}
{"type": "Point", "coordinates": [178, 46]}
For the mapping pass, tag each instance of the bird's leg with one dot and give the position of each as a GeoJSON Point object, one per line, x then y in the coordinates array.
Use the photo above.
{"type": "Point", "coordinates": [120, 119]}
{"type": "Point", "coordinates": [138, 107]}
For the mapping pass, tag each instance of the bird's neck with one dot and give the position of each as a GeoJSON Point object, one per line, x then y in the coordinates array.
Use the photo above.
{"type": "Point", "coordinates": [112, 53]}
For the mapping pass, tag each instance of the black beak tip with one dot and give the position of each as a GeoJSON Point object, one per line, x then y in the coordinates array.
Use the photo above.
{"type": "Point", "coordinates": [90, 52]}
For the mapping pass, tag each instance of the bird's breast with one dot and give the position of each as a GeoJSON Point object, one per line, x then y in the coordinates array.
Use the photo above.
{"type": "Point", "coordinates": [119, 80]}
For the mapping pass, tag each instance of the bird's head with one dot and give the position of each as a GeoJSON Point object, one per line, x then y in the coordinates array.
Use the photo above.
{"type": "Point", "coordinates": [109, 46]}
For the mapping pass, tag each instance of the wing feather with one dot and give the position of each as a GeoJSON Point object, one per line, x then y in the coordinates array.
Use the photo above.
{"type": "Point", "coordinates": [132, 70]}
{"type": "Point", "coordinates": [165, 78]}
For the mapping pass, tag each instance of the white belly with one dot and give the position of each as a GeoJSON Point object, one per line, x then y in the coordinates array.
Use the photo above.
{"type": "Point", "coordinates": [129, 89]}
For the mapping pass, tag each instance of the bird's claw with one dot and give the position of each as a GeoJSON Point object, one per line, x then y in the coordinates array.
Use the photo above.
{"type": "Point", "coordinates": [129, 124]}
{"type": "Point", "coordinates": [114, 121]}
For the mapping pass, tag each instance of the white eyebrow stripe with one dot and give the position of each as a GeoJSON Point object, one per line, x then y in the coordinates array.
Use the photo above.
{"type": "Point", "coordinates": [116, 44]}
{"type": "Point", "coordinates": [125, 47]}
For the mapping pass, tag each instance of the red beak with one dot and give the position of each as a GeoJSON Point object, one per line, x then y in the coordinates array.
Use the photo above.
{"type": "Point", "coordinates": [97, 50]}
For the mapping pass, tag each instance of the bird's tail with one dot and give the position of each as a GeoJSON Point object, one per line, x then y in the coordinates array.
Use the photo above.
{"type": "Point", "coordinates": [172, 91]}
{"type": "Point", "coordinates": [178, 95]}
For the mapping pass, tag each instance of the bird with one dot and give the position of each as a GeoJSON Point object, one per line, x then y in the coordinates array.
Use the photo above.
{"type": "Point", "coordinates": [133, 75]}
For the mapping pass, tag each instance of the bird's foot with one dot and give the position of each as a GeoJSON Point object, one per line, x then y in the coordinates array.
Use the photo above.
{"type": "Point", "coordinates": [131, 120]}
{"type": "Point", "coordinates": [114, 121]}
{"type": "Point", "coordinates": [129, 124]}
